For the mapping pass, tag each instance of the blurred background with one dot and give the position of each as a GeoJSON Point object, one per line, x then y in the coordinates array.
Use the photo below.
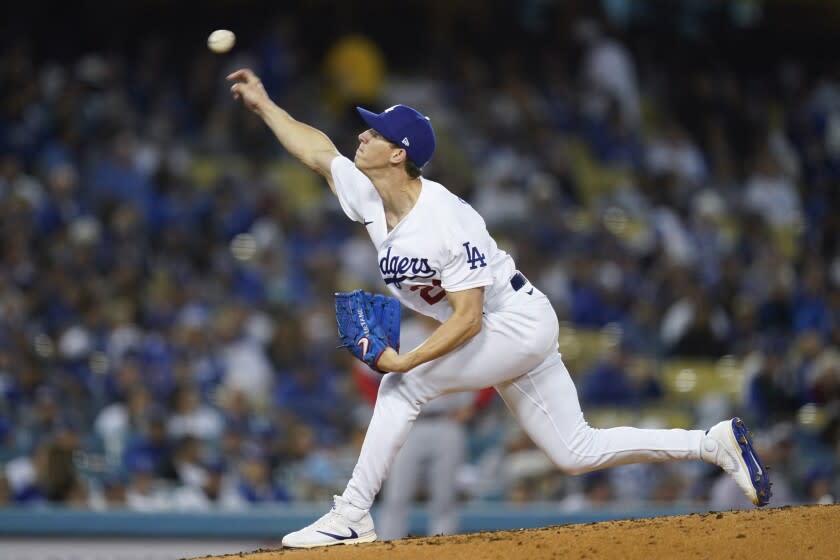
{"type": "Point", "coordinates": [668, 172]}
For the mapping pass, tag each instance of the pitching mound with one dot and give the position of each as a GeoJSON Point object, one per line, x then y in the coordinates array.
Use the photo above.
{"type": "Point", "coordinates": [808, 532]}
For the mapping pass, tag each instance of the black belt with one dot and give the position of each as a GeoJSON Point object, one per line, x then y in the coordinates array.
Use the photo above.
{"type": "Point", "coordinates": [518, 281]}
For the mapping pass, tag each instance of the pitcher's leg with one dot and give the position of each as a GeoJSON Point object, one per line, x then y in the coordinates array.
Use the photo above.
{"type": "Point", "coordinates": [397, 406]}
{"type": "Point", "coordinates": [546, 405]}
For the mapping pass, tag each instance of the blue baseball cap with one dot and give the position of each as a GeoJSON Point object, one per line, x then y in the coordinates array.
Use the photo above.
{"type": "Point", "coordinates": [405, 127]}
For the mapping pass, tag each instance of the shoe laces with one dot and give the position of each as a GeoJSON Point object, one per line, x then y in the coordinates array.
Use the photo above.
{"type": "Point", "coordinates": [330, 520]}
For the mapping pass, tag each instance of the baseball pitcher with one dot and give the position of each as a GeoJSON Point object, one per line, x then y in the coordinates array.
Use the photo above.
{"type": "Point", "coordinates": [497, 329]}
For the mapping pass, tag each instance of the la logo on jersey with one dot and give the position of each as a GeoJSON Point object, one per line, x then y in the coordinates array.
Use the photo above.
{"type": "Point", "coordinates": [475, 258]}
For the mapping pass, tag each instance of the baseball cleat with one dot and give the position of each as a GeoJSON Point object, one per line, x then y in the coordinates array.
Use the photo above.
{"type": "Point", "coordinates": [343, 524]}
{"type": "Point", "coordinates": [728, 444]}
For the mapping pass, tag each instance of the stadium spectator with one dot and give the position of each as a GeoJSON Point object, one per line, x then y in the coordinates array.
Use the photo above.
{"type": "Point", "coordinates": [191, 418]}
{"type": "Point", "coordinates": [216, 491]}
{"type": "Point", "coordinates": [255, 480]}
{"type": "Point", "coordinates": [145, 492]}
{"type": "Point", "coordinates": [770, 392]}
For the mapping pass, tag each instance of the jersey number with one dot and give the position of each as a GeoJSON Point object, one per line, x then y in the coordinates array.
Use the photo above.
{"type": "Point", "coordinates": [431, 294]}
{"type": "Point", "coordinates": [474, 257]}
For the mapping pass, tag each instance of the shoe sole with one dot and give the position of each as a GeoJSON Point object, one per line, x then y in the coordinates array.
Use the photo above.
{"type": "Point", "coordinates": [749, 459]}
{"type": "Point", "coordinates": [360, 540]}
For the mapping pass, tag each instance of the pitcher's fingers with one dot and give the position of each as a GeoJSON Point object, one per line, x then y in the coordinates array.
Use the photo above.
{"type": "Point", "coordinates": [244, 74]}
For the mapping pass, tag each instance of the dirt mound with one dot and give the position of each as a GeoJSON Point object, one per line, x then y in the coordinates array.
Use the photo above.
{"type": "Point", "coordinates": [810, 532]}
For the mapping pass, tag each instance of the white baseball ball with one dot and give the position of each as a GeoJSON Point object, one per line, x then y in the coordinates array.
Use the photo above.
{"type": "Point", "coordinates": [221, 41]}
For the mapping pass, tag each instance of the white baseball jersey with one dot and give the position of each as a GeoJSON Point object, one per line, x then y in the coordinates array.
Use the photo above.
{"type": "Point", "coordinates": [441, 245]}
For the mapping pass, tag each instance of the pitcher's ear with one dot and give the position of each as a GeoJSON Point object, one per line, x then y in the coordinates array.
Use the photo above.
{"type": "Point", "coordinates": [399, 155]}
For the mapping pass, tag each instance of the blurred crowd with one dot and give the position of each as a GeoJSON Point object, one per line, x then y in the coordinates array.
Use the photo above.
{"type": "Point", "coordinates": [167, 339]}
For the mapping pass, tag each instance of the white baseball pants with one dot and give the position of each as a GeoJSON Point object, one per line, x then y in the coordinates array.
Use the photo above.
{"type": "Point", "coordinates": [516, 352]}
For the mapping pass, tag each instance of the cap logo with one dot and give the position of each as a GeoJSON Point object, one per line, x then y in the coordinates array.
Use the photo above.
{"type": "Point", "coordinates": [405, 141]}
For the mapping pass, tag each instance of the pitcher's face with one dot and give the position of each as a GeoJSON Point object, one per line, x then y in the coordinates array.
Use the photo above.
{"type": "Point", "coordinates": [375, 151]}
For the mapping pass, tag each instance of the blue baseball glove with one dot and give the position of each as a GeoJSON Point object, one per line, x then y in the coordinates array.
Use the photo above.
{"type": "Point", "coordinates": [367, 324]}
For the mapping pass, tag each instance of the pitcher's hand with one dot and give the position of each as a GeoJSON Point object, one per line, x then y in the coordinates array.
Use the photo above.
{"type": "Point", "coordinates": [249, 89]}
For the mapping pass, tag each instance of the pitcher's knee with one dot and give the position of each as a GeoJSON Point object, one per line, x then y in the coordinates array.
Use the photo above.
{"type": "Point", "coordinates": [577, 456]}
{"type": "Point", "coordinates": [573, 466]}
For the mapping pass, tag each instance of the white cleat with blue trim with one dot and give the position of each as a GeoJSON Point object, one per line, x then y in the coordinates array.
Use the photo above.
{"type": "Point", "coordinates": [343, 524]}
{"type": "Point", "coordinates": [728, 444]}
